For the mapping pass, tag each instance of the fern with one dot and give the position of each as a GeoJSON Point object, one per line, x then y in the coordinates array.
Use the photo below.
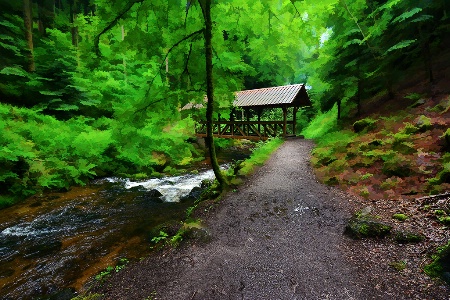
{"type": "Point", "coordinates": [401, 45]}
{"type": "Point", "coordinates": [407, 15]}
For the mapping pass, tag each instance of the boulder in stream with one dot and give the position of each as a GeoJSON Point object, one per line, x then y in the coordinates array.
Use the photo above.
{"type": "Point", "coordinates": [153, 195]}
{"type": "Point", "coordinates": [193, 195]}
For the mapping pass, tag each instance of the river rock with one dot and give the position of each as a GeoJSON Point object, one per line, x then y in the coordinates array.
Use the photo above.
{"type": "Point", "coordinates": [199, 235]}
{"type": "Point", "coordinates": [153, 194]}
{"type": "Point", "coordinates": [193, 195]}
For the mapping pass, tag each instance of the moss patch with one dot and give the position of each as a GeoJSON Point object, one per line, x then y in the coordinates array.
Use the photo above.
{"type": "Point", "coordinates": [400, 217]}
{"type": "Point", "coordinates": [440, 267]}
{"type": "Point", "coordinates": [408, 237]}
{"type": "Point", "coordinates": [366, 226]}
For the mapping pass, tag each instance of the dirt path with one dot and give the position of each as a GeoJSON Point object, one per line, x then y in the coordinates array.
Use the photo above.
{"type": "Point", "coordinates": [278, 237]}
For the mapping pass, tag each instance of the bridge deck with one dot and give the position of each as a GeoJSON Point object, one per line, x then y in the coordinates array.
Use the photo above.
{"type": "Point", "coordinates": [251, 130]}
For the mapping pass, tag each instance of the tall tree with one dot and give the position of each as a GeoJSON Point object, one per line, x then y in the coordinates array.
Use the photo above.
{"type": "Point", "coordinates": [206, 10]}
{"type": "Point", "coordinates": [28, 25]}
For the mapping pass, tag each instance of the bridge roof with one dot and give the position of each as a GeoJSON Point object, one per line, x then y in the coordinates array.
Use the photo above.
{"type": "Point", "coordinates": [288, 95]}
{"type": "Point", "coordinates": [293, 95]}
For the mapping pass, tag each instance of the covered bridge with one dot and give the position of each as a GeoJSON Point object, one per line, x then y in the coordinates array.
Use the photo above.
{"type": "Point", "coordinates": [256, 101]}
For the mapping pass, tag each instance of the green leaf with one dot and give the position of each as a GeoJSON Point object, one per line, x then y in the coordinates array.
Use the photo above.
{"type": "Point", "coordinates": [422, 18]}
{"type": "Point", "coordinates": [401, 45]}
{"type": "Point", "coordinates": [67, 107]}
{"type": "Point", "coordinates": [407, 15]}
{"type": "Point", "coordinates": [16, 70]}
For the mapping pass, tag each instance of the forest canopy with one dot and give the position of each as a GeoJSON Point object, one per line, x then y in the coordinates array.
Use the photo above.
{"type": "Point", "coordinates": [94, 87]}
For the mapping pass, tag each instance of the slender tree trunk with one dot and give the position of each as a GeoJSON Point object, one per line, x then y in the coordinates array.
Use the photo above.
{"type": "Point", "coordinates": [46, 14]}
{"type": "Point", "coordinates": [28, 22]}
{"type": "Point", "coordinates": [339, 109]}
{"type": "Point", "coordinates": [73, 17]}
{"type": "Point", "coordinates": [358, 74]}
{"type": "Point", "coordinates": [206, 9]}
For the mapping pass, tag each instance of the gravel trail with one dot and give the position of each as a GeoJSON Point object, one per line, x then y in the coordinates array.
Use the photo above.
{"type": "Point", "coordinates": [279, 236]}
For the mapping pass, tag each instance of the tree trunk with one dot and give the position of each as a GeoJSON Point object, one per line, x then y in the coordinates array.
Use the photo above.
{"type": "Point", "coordinates": [28, 22]}
{"type": "Point", "coordinates": [206, 9]}
{"type": "Point", "coordinates": [339, 109]}
{"type": "Point", "coordinates": [73, 17]}
{"type": "Point", "coordinates": [46, 14]}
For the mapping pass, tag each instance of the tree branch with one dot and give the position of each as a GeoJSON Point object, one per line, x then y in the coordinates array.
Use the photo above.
{"type": "Point", "coordinates": [163, 63]}
{"type": "Point", "coordinates": [112, 24]}
{"type": "Point", "coordinates": [293, 3]}
{"type": "Point", "coordinates": [359, 27]}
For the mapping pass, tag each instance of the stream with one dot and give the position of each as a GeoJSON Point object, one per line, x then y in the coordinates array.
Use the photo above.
{"type": "Point", "coordinates": [53, 244]}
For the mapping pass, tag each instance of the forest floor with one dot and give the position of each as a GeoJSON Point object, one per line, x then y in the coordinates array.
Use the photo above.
{"type": "Point", "coordinates": [278, 236]}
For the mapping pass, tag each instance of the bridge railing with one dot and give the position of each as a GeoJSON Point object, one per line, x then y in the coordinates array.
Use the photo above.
{"type": "Point", "coordinates": [253, 130]}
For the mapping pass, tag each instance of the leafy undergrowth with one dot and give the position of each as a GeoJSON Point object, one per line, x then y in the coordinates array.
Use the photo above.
{"type": "Point", "coordinates": [404, 154]}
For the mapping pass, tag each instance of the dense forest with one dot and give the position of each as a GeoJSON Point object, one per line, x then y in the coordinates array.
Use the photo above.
{"type": "Point", "coordinates": [92, 87]}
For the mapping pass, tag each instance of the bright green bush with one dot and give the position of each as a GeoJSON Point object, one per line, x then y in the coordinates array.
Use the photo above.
{"type": "Point", "coordinates": [40, 152]}
{"type": "Point", "coordinates": [321, 124]}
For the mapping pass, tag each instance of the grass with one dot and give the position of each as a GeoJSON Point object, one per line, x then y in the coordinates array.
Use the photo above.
{"type": "Point", "coordinates": [321, 124]}
{"type": "Point", "coordinates": [259, 156]}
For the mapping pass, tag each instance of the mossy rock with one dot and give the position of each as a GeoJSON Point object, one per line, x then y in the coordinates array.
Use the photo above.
{"type": "Point", "coordinates": [440, 267]}
{"type": "Point", "coordinates": [445, 220]}
{"type": "Point", "coordinates": [423, 123]}
{"type": "Point", "coordinates": [200, 235]}
{"type": "Point", "coordinates": [366, 226]}
{"type": "Point", "coordinates": [400, 217]}
{"type": "Point", "coordinates": [405, 237]}
{"type": "Point", "coordinates": [364, 124]}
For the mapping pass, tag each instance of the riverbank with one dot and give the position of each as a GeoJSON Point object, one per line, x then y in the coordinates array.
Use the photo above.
{"type": "Point", "coordinates": [278, 236]}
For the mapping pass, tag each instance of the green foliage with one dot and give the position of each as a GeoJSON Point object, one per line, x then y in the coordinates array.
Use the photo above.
{"type": "Point", "coordinates": [109, 269]}
{"type": "Point", "coordinates": [400, 217]}
{"type": "Point", "coordinates": [424, 123]}
{"type": "Point", "coordinates": [161, 237]}
{"type": "Point", "coordinates": [414, 96]}
{"type": "Point", "coordinates": [364, 124]}
{"type": "Point", "coordinates": [6, 201]}
{"type": "Point", "coordinates": [323, 123]}
{"type": "Point", "coordinates": [443, 175]}
{"type": "Point", "coordinates": [440, 264]}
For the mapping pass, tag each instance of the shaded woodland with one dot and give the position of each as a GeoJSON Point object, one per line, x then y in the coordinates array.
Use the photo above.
{"type": "Point", "coordinates": [91, 88]}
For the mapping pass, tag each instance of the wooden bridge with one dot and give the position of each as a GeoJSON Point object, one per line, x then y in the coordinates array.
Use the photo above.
{"type": "Point", "coordinates": [284, 97]}
{"type": "Point", "coordinates": [250, 130]}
